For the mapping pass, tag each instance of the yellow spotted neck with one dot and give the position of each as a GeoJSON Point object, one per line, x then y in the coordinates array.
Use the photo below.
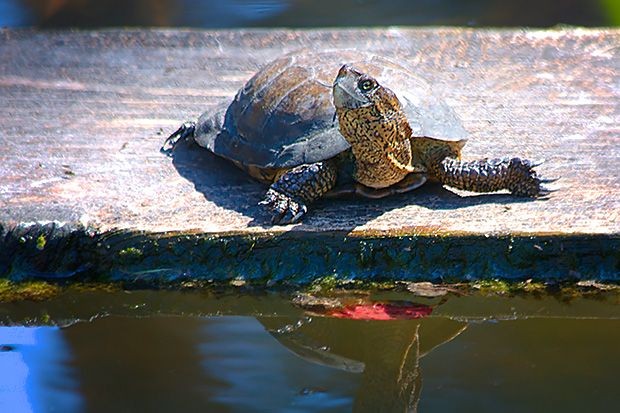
{"type": "Point", "coordinates": [379, 138]}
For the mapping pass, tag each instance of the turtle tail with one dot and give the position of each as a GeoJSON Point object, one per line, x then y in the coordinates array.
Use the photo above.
{"type": "Point", "coordinates": [489, 175]}
{"type": "Point", "coordinates": [185, 131]}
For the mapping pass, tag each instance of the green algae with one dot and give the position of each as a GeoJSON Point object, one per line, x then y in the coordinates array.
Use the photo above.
{"type": "Point", "coordinates": [494, 286]}
{"type": "Point", "coordinates": [28, 290]}
{"type": "Point", "coordinates": [41, 241]}
{"type": "Point", "coordinates": [332, 282]}
{"type": "Point", "coordinates": [530, 286]}
{"type": "Point", "coordinates": [324, 284]}
{"type": "Point", "coordinates": [53, 251]}
{"type": "Point", "coordinates": [12, 291]}
{"type": "Point", "coordinates": [130, 255]}
{"type": "Point", "coordinates": [485, 287]}
{"type": "Point", "coordinates": [94, 287]}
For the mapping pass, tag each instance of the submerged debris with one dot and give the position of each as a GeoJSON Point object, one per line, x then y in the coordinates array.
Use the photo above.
{"type": "Point", "coordinates": [592, 284]}
{"type": "Point", "coordinates": [430, 290]}
{"type": "Point", "coordinates": [311, 302]}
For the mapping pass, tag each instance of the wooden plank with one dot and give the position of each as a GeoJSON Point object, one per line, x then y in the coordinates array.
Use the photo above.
{"type": "Point", "coordinates": [83, 115]}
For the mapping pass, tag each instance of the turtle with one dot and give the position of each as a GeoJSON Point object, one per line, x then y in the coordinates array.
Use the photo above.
{"type": "Point", "coordinates": [374, 131]}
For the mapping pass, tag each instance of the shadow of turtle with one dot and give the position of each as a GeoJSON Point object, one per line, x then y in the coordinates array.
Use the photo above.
{"type": "Point", "coordinates": [220, 182]}
{"type": "Point", "coordinates": [217, 179]}
{"type": "Point", "coordinates": [348, 213]}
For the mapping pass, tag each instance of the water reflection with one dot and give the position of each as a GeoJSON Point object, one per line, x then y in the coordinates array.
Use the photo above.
{"type": "Point", "coordinates": [36, 371]}
{"type": "Point", "coordinates": [389, 353]}
{"type": "Point", "coordinates": [140, 364]}
{"type": "Point", "coordinates": [534, 365]}
{"type": "Point", "coordinates": [254, 372]}
{"type": "Point", "coordinates": [234, 363]}
{"type": "Point", "coordinates": [291, 363]}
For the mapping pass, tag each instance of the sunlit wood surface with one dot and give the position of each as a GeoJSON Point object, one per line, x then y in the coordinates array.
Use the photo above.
{"type": "Point", "coordinates": [83, 115]}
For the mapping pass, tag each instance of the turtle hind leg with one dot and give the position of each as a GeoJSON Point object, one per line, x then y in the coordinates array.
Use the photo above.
{"type": "Point", "coordinates": [185, 131]}
{"type": "Point", "coordinates": [489, 175]}
{"type": "Point", "coordinates": [288, 197]}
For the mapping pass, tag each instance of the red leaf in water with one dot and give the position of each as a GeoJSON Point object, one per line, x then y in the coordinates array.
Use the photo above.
{"type": "Point", "coordinates": [382, 311]}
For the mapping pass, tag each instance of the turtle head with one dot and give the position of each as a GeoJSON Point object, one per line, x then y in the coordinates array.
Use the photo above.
{"type": "Point", "coordinates": [353, 89]}
{"type": "Point", "coordinates": [372, 121]}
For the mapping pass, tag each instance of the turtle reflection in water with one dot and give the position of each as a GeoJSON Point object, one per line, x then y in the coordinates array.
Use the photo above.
{"type": "Point", "coordinates": [391, 137]}
{"type": "Point", "coordinates": [386, 354]}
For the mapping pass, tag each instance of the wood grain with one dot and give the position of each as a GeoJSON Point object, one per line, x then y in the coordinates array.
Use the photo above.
{"type": "Point", "coordinates": [83, 115]}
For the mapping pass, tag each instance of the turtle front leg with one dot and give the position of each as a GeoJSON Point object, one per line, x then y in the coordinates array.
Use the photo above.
{"type": "Point", "coordinates": [490, 175]}
{"type": "Point", "coordinates": [289, 196]}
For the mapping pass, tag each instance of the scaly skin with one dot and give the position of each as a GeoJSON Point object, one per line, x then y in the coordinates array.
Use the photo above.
{"type": "Point", "coordinates": [379, 138]}
{"type": "Point", "coordinates": [490, 175]}
{"type": "Point", "coordinates": [289, 196]}
{"type": "Point", "coordinates": [373, 122]}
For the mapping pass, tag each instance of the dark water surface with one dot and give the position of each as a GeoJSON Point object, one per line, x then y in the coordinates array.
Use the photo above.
{"type": "Point", "coordinates": [165, 351]}
{"type": "Point", "coordinates": [306, 13]}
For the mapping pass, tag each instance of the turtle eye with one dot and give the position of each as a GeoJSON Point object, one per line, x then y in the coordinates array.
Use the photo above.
{"type": "Point", "coordinates": [366, 84]}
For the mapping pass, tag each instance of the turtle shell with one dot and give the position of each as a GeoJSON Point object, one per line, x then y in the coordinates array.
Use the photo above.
{"type": "Point", "coordinates": [284, 116]}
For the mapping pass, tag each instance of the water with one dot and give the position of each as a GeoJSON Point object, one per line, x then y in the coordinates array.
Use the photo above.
{"type": "Point", "coordinates": [163, 351]}
{"type": "Point", "coordinates": [301, 13]}
{"type": "Point", "coordinates": [167, 351]}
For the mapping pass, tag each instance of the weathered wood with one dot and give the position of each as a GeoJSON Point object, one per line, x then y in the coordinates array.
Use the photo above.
{"type": "Point", "coordinates": [83, 115]}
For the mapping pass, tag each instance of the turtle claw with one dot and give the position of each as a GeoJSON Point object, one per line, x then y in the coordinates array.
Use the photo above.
{"type": "Point", "coordinates": [525, 181]}
{"type": "Point", "coordinates": [545, 190]}
{"type": "Point", "coordinates": [284, 209]}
